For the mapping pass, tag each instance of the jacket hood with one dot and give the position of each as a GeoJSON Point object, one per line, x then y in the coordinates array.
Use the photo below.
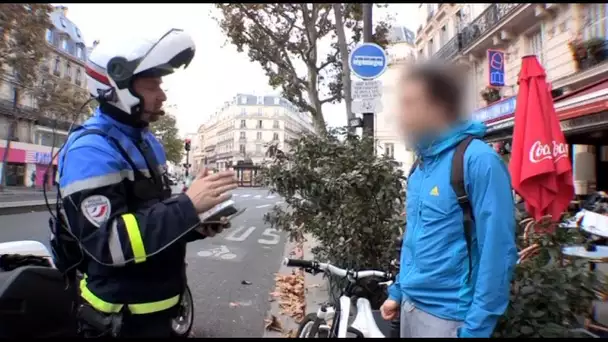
{"type": "Point", "coordinates": [433, 145]}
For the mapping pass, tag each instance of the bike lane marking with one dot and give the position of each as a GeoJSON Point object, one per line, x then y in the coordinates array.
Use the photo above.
{"type": "Point", "coordinates": [240, 234]}
{"type": "Point", "coordinates": [222, 252]}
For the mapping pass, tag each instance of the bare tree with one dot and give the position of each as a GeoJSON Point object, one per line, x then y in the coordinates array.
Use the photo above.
{"type": "Point", "coordinates": [284, 36]}
{"type": "Point", "coordinates": [22, 48]}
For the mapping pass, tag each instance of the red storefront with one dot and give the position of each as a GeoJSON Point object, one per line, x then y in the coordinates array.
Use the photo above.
{"type": "Point", "coordinates": [22, 164]}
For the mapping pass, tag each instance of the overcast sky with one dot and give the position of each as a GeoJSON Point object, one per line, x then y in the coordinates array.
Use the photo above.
{"type": "Point", "coordinates": [217, 72]}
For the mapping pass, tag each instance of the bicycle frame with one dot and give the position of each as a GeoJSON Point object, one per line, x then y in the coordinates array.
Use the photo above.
{"type": "Point", "coordinates": [363, 326]}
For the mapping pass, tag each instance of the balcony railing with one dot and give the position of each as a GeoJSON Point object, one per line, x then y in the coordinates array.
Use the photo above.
{"type": "Point", "coordinates": [18, 111]}
{"type": "Point", "coordinates": [450, 49]}
{"type": "Point", "coordinates": [485, 22]}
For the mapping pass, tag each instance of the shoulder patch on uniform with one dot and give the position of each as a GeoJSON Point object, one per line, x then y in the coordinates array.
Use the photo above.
{"type": "Point", "coordinates": [96, 209]}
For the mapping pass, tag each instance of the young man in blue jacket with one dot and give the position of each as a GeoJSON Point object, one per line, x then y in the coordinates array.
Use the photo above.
{"type": "Point", "coordinates": [440, 291]}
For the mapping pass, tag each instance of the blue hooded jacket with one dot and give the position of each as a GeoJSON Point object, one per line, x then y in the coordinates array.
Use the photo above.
{"type": "Point", "coordinates": [434, 257]}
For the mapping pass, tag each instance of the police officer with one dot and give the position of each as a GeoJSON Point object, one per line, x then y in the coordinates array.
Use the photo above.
{"type": "Point", "coordinates": [116, 199]}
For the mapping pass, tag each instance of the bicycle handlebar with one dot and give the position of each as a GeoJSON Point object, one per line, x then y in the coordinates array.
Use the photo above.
{"type": "Point", "coordinates": [337, 271]}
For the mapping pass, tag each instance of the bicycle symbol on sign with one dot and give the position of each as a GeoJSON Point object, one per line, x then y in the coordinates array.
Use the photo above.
{"type": "Point", "coordinates": [221, 252]}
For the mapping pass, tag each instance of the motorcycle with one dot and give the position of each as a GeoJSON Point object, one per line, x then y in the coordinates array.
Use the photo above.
{"type": "Point", "coordinates": [37, 301]}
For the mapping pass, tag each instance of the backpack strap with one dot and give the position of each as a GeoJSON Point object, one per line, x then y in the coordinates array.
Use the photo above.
{"type": "Point", "coordinates": [457, 182]}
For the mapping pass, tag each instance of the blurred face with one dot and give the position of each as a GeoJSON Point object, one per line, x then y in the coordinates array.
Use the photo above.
{"type": "Point", "coordinates": [149, 88]}
{"type": "Point", "coordinates": [417, 112]}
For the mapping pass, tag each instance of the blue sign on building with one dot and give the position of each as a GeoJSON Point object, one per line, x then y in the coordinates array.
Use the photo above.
{"type": "Point", "coordinates": [496, 67]}
{"type": "Point", "coordinates": [497, 110]}
{"type": "Point", "coordinates": [368, 61]}
{"type": "Point", "coordinates": [43, 157]}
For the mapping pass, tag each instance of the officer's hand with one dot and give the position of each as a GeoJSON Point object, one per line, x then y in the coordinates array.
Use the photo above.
{"type": "Point", "coordinates": [211, 229]}
{"type": "Point", "coordinates": [207, 191]}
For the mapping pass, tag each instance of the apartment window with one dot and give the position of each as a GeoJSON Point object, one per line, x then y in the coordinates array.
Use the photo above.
{"type": "Point", "coordinates": [57, 68]}
{"type": "Point", "coordinates": [68, 70]}
{"type": "Point", "coordinates": [260, 111]}
{"type": "Point", "coordinates": [457, 21]}
{"type": "Point", "coordinates": [389, 150]}
{"type": "Point", "coordinates": [260, 100]}
{"type": "Point", "coordinates": [64, 44]}
{"type": "Point", "coordinates": [535, 45]}
{"type": "Point", "coordinates": [596, 24]}
{"type": "Point", "coordinates": [49, 36]}
{"type": "Point", "coordinates": [430, 48]}
{"type": "Point", "coordinates": [79, 52]}
{"type": "Point", "coordinates": [243, 111]}
{"type": "Point", "coordinates": [242, 149]}
{"type": "Point", "coordinates": [277, 100]}
{"type": "Point", "coordinates": [243, 123]}
{"type": "Point", "coordinates": [258, 136]}
{"type": "Point", "coordinates": [243, 135]}
{"type": "Point", "coordinates": [243, 99]}
{"type": "Point", "coordinates": [260, 124]}
{"type": "Point", "coordinates": [275, 136]}
{"type": "Point", "coordinates": [276, 112]}
{"type": "Point", "coordinates": [78, 74]}
{"type": "Point", "coordinates": [443, 35]}
{"type": "Point", "coordinates": [275, 124]}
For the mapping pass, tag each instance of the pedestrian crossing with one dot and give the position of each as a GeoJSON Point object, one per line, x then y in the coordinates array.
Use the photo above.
{"type": "Point", "coordinates": [264, 201]}
{"type": "Point", "coordinates": [239, 195]}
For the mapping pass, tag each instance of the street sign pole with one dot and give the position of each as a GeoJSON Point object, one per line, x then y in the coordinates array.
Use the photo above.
{"type": "Point", "coordinates": [368, 118]}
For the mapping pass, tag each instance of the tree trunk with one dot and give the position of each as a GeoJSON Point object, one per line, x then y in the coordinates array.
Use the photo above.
{"type": "Point", "coordinates": [344, 58]}
{"type": "Point", "coordinates": [9, 135]}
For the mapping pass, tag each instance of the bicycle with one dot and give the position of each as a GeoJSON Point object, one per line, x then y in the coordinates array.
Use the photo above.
{"type": "Point", "coordinates": [364, 325]}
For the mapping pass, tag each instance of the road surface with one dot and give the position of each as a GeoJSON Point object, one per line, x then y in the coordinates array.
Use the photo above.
{"type": "Point", "coordinates": [230, 275]}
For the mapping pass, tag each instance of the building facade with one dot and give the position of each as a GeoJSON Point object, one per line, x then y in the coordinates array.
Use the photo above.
{"type": "Point", "coordinates": [390, 140]}
{"type": "Point", "coordinates": [33, 133]}
{"type": "Point", "coordinates": [243, 128]}
{"type": "Point", "coordinates": [569, 40]}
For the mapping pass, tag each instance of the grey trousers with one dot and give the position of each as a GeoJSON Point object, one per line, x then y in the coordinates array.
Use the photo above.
{"type": "Point", "coordinates": [417, 323]}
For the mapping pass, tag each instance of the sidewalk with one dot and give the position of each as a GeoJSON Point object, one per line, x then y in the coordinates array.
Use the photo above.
{"type": "Point", "coordinates": [315, 290]}
{"type": "Point", "coordinates": [23, 194]}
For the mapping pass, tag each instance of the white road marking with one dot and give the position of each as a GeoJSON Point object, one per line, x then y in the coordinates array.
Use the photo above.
{"type": "Point", "coordinates": [221, 252]}
{"type": "Point", "coordinates": [245, 195]}
{"type": "Point", "coordinates": [240, 234]}
{"type": "Point", "coordinates": [257, 196]}
{"type": "Point", "coordinates": [272, 235]}
{"type": "Point", "coordinates": [270, 197]}
{"type": "Point", "coordinates": [263, 206]}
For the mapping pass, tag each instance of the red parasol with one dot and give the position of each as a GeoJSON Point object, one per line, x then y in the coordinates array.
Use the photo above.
{"type": "Point", "coordinates": [540, 169]}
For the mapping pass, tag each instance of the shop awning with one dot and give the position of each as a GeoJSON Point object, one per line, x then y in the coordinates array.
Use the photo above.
{"type": "Point", "coordinates": [590, 99]}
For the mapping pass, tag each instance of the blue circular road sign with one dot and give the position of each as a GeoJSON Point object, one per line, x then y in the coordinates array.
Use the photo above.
{"type": "Point", "coordinates": [368, 61]}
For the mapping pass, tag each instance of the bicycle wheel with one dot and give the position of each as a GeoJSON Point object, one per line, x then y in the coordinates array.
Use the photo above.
{"type": "Point", "coordinates": [309, 327]}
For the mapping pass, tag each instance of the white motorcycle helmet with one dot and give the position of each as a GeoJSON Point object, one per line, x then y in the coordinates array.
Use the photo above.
{"type": "Point", "coordinates": [112, 66]}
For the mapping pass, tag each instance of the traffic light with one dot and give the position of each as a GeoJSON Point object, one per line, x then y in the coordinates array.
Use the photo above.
{"type": "Point", "coordinates": [187, 144]}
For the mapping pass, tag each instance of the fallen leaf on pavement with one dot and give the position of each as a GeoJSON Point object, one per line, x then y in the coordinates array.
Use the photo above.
{"type": "Point", "coordinates": [290, 334]}
{"type": "Point", "coordinates": [273, 324]}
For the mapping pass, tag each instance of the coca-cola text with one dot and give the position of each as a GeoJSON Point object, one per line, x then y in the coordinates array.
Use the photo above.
{"type": "Point", "coordinates": [540, 151]}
